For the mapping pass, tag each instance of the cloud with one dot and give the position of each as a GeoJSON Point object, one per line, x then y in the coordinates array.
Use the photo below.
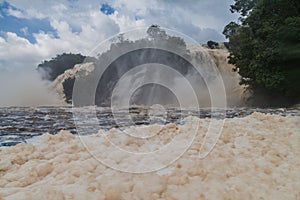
{"type": "Point", "coordinates": [202, 20]}
{"type": "Point", "coordinates": [17, 51]}
{"type": "Point", "coordinates": [33, 31]}
{"type": "Point", "coordinates": [15, 13]}
{"type": "Point", "coordinates": [14, 20]}
{"type": "Point", "coordinates": [52, 27]}
{"type": "Point", "coordinates": [24, 30]}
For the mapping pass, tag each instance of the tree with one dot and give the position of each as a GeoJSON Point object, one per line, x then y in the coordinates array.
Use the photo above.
{"type": "Point", "coordinates": [265, 47]}
{"type": "Point", "coordinates": [58, 65]}
{"type": "Point", "coordinates": [159, 36]}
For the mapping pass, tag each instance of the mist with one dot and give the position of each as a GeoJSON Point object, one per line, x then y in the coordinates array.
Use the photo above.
{"type": "Point", "coordinates": [26, 88]}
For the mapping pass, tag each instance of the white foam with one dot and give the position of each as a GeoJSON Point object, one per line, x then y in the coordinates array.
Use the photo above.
{"type": "Point", "coordinates": [256, 157]}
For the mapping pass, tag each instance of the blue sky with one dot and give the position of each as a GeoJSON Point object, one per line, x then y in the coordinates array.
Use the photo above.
{"type": "Point", "coordinates": [25, 27]}
{"type": "Point", "coordinates": [107, 9]}
{"type": "Point", "coordinates": [34, 30]}
{"type": "Point", "coordinates": [21, 26]}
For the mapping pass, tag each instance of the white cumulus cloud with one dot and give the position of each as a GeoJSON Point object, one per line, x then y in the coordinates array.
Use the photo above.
{"type": "Point", "coordinates": [80, 25]}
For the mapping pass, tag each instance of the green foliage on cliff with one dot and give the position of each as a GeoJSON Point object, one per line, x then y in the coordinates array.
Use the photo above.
{"type": "Point", "coordinates": [58, 65]}
{"type": "Point", "coordinates": [265, 48]}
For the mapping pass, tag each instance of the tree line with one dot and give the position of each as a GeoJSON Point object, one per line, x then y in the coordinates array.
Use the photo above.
{"type": "Point", "coordinates": [265, 48]}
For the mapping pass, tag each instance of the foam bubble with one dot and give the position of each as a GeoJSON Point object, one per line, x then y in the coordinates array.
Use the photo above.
{"type": "Point", "coordinates": [256, 157]}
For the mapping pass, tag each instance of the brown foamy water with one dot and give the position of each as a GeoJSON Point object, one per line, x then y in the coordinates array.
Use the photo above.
{"type": "Point", "coordinates": [256, 157]}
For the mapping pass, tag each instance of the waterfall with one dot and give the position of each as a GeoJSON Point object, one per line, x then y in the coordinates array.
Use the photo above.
{"type": "Point", "coordinates": [57, 84]}
{"type": "Point", "coordinates": [121, 77]}
{"type": "Point", "coordinates": [235, 93]}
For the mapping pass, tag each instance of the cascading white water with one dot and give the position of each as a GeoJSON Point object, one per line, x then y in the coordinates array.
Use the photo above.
{"type": "Point", "coordinates": [69, 74]}
{"type": "Point", "coordinates": [235, 93]}
{"type": "Point", "coordinates": [154, 94]}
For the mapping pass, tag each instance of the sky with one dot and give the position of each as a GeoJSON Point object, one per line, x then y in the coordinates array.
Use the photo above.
{"type": "Point", "coordinates": [35, 30]}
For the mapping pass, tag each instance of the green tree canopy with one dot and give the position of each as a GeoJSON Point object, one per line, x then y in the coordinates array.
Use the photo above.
{"type": "Point", "coordinates": [265, 48]}
{"type": "Point", "coordinates": [50, 69]}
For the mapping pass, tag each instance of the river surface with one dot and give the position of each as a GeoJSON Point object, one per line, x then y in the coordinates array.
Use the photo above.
{"type": "Point", "coordinates": [18, 124]}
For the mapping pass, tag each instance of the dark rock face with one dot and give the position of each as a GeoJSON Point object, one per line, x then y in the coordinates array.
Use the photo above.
{"type": "Point", "coordinates": [123, 64]}
{"type": "Point", "coordinates": [212, 44]}
{"type": "Point", "coordinates": [68, 89]}
{"type": "Point", "coordinates": [130, 60]}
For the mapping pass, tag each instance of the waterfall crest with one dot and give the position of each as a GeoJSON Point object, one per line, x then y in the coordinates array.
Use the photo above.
{"type": "Point", "coordinates": [151, 94]}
